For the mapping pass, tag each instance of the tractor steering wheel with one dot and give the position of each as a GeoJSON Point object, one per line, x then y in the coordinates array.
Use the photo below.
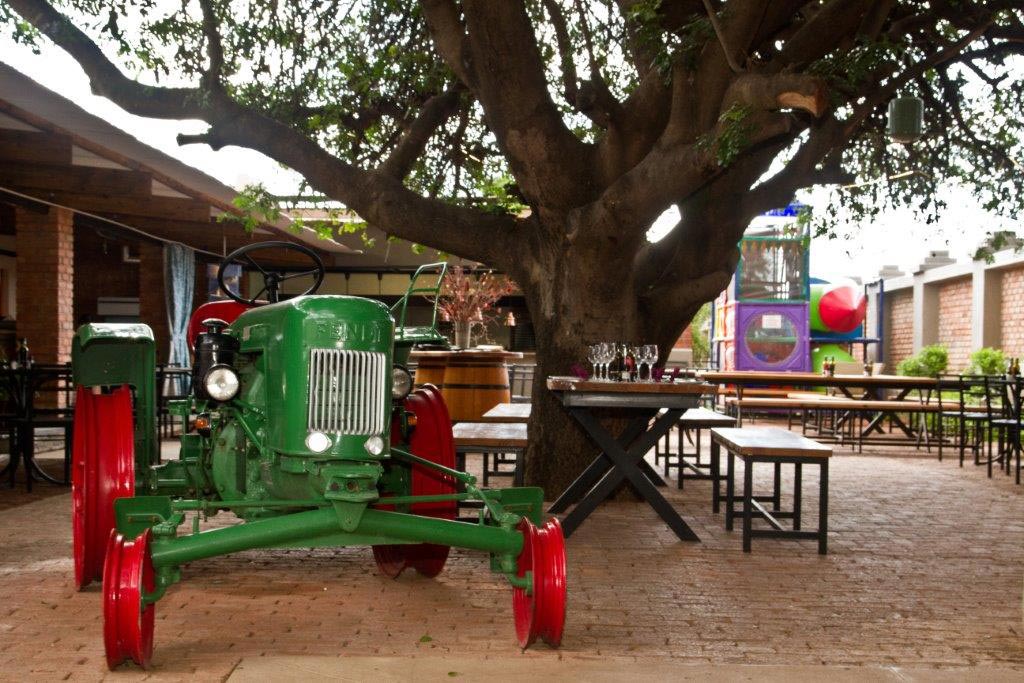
{"type": "Point", "coordinates": [271, 279]}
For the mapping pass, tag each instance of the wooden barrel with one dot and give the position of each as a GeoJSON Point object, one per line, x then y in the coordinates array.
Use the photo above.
{"type": "Point", "coordinates": [430, 369]}
{"type": "Point", "coordinates": [475, 382]}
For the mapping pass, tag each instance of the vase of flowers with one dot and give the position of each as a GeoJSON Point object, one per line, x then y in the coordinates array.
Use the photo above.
{"type": "Point", "coordinates": [466, 301]}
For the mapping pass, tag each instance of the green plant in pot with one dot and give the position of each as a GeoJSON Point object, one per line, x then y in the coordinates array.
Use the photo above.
{"type": "Point", "coordinates": [930, 361]}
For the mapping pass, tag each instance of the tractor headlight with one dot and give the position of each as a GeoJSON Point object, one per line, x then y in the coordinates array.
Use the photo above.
{"type": "Point", "coordinates": [401, 382]}
{"type": "Point", "coordinates": [318, 442]}
{"type": "Point", "coordinates": [221, 383]}
{"type": "Point", "coordinates": [374, 445]}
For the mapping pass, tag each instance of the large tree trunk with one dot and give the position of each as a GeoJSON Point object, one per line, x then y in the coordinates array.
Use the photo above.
{"type": "Point", "coordinates": [582, 302]}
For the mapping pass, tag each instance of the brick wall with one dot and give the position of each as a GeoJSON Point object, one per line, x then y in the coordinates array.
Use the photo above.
{"type": "Point", "coordinates": [46, 282]}
{"type": "Point", "coordinates": [899, 327]}
{"type": "Point", "coordinates": [101, 272]}
{"type": "Point", "coordinates": [955, 321]}
{"type": "Point", "coordinates": [685, 340]}
{"type": "Point", "coordinates": [152, 306]}
{"type": "Point", "coordinates": [1011, 312]}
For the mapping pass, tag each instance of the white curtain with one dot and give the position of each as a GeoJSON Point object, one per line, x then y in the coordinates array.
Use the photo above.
{"type": "Point", "coordinates": [179, 285]}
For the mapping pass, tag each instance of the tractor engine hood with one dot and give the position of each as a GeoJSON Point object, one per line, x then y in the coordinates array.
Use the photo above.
{"type": "Point", "coordinates": [323, 367]}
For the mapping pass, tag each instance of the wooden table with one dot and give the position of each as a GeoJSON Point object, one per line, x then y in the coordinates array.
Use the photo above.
{"type": "Point", "coordinates": [622, 458]}
{"type": "Point", "coordinates": [508, 412]}
{"type": "Point", "coordinates": [870, 387]}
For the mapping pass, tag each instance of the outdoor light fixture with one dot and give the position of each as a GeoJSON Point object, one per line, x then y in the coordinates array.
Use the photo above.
{"type": "Point", "coordinates": [906, 119]}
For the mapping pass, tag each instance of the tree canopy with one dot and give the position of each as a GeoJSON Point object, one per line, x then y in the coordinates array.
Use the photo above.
{"type": "Point", "coordinates": [451, 100]}
{"type": "Point", "coordinates": [440, 121]}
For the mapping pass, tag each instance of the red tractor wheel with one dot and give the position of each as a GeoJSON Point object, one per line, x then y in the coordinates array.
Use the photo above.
{"type": "Point", "coordinates": [541, 613]}
{"type": "Point", "coordinates": [103, 469]}
{"type": "Point", "coordinates": [390, 559]}
{"type": "Point", "coordinates": [127, 622]}
{"type": "Point", "coordinates": [431, 439]}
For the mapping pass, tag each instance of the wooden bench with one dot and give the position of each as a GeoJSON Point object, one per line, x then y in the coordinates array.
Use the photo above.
{"type": "Point", "coordinates": [506, 442]}
{"type": "Point", "coordinates": [760, 392]}
{"type": "Point", "coordinates": [834, 403]}
{"type": "Point", "coordinates": [694, 420]}
{"type": "Point", "coordinates": [778, 447]}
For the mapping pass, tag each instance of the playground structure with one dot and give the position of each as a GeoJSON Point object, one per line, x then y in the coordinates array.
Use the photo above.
{"type": "Point", "coordinates": [773, 315]}
{"type": "Point", "coordinates": [306, 427]}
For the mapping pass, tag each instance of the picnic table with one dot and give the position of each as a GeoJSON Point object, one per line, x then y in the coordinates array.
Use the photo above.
{"type": "Point", "coordinates": [881, 394]}
{"type": "Point", "coordinates": [653, 408]}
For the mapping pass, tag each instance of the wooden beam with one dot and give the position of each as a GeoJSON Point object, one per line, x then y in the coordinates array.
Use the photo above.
{"type": "Point", "coordinates": [213, 237]}
{"type": "Point", "coordinates": [34, 147]}
{"type": "Point", "coordinates": [63, 139]}
{"type": "Point", "coordinates": [169, 208]}
{"type": "Point", "coordinates": [75, 179]}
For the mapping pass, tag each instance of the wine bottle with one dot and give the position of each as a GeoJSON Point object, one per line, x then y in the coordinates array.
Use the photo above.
{"type": "Point", "coordinates": [624, 362]}
{"type": "Point", "coordinates": [24, 355]}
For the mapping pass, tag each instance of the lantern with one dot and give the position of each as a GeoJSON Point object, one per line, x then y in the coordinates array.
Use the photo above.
{"type": "Point", "coordinates": [906, 119]}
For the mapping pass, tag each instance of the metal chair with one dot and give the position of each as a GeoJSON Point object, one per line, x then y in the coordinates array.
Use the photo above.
{"type": "Point", "coordinates": [971, 413]}
{"type": "Point", "coordinates": [1007, 426]}
{"type": "Point", "coordinates": [173, 383]}
{"type": "Point", "coordinates": [47, 395]}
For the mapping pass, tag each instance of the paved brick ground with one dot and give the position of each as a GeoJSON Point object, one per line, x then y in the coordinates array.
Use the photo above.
{"type": "Point", "coordinates": [19, 495]}
{"type": "Point", "coordinates": [924, 570]}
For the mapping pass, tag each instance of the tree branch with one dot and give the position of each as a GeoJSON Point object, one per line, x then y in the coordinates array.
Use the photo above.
{"type": "Point", "coordinates": [381, 200]}
{"type": "Point", "coordinates": [434, 113]}
{"type": "Point", "coordinates": [570, 88]}
{"type": "Point", "coordinates": [214, 47]}
{"type": "Point", "coordinates": [551, 165]}
{"type": "Point", "coordinates": [449, 37]}
{"type": "Point", "coordinates": [105, 79]}
{"type": "Point", "coordinates": [769, 92]}
{"type": "Point", "coordinates": [830, 28]}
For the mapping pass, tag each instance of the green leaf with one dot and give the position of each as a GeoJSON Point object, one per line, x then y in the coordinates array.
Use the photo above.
{"type": "Point", "coordinates": [425, 639]}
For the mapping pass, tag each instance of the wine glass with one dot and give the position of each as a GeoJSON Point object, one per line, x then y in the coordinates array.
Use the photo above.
{"type": "Point", "coordinates": [607, 355]}
{"type": "Point", "coordinates": [649, 352]}
{"type": "Point", "coordinates": [638, 356]}
{"type": "Point", "coordinates": [594, 356]}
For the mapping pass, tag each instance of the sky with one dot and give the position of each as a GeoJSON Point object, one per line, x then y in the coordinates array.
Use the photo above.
{"type": "Point", "coordinates": [895, 238]}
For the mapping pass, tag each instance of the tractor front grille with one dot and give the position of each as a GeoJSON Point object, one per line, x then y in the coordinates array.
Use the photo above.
{"type": "Point", "coordinates": [346, 391]}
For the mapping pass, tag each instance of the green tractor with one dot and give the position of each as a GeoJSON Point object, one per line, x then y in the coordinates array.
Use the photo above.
{"type": "Point", "coordinates": [304, 424]}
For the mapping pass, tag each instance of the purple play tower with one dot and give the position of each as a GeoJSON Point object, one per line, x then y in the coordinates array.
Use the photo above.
{"type": "Point", "coordinates": [772, 336]}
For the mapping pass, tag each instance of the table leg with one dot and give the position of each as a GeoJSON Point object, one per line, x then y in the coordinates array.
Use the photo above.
{"type": "Point", "coordinates": [823, 509]}
{"type": "Point", "coordinates": [28, 453]}
{"type": "Point", "coordinates": [730, 471]}
{"type": "Point", "coordinates": [748, 495]}
{"type": "Point", "coordinates": [716, 476]}
{"type": "Point", "coordinates": [797, 494]}
{"type": "Point", "coordinates": [777, 492]}
{"type": "Point", "coordinates": [625, 466]}
{"type": "Point", "coordinates": [595, 470]}
{"type": "Point", "coordinates": [652, 474]}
